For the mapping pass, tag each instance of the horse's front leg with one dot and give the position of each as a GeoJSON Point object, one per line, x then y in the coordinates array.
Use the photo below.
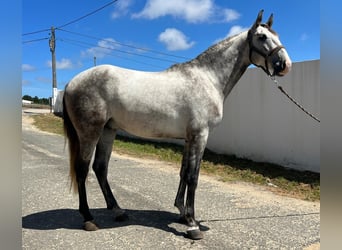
{"type": "Point", "coordinates": [179, 201]}
{"type": "Point", "coordinates": [196, 149]}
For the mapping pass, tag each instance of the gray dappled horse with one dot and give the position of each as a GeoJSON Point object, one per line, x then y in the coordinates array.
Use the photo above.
{"type": "Point", "coordinates": [184, 101]}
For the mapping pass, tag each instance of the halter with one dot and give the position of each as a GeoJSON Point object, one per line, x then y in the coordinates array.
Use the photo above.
{"type": "Point", "coordinates": [252, 49]}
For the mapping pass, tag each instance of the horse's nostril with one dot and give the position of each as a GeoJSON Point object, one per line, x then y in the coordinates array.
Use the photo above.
{"type": "Point", "coordinates": [284, 65]}
{"type": "Point", "coordinates": [279, 66]}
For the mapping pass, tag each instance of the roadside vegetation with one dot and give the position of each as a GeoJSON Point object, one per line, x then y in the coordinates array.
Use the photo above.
{"type": "Point", "coordinates": [36, 100]}
{"type": "Point", "coordinates": [303, 185]}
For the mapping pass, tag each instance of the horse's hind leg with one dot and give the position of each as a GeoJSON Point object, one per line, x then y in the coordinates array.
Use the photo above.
{"type": "Point", "coordinates": [81, 169]}
{"type": "Point", "coordinates": [100, 167]}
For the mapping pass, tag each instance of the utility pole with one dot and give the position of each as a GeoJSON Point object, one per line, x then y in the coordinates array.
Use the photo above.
{"type": "Point", "coordinates": [52, 44]}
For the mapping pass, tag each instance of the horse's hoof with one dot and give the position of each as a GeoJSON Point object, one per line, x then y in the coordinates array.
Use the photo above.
{"type": "Point", "coordinates": [121, 217]}
{"type": "Point", "coordinates": [90, 226]}
{"type": "Point", "coordinates": [194, 233]}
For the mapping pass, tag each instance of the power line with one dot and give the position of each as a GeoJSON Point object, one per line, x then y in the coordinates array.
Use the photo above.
{"type": "Point", "coordinates": [73, 21]}
{"type": "Point", "coordinates": [126, 45]}
{"type": "Point", "coordinates": [118, 50]}
{"type": "Point", "coordinates": [89, 14]}
{"type": "Point", "coordinates": [35, 40]}
{"type": "Point", "coordinates": [88, 45]}
{"type": "Point", "coordinates": [108, 41]}
{"type": "Point", "coordinates": [113, 42]}
{"type": "Point", "coordinates": [35, 32]}
{"type": "Point", "coordinates": [79, 44]}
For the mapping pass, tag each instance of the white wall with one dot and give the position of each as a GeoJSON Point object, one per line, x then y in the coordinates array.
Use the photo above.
{"type": "Point", "coordinates": [261, 124]}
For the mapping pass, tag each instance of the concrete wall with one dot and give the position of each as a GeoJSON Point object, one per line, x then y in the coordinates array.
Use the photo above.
{"type": "Point", "coordinates": [261, 124]}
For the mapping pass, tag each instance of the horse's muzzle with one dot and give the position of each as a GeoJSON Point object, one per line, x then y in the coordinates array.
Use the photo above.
{"type": "Point", "coordinates": [281, 64]}
{"type": "Point", "coordinates": [282, 68]}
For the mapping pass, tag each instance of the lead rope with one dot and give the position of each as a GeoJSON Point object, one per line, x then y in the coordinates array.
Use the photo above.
{"type": "Point", "coordinates": [293, 100]}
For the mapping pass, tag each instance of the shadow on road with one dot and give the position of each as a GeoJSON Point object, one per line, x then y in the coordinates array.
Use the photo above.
{"type": "Point", "coordinates": [71, 219]}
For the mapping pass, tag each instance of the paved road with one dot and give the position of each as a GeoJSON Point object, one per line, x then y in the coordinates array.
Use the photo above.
{"type": "Point", "coordinates": [233, 216]}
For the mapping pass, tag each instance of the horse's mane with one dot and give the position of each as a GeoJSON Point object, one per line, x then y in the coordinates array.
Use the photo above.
{"type": "Point", "coordinates": [213, 51]}
{"type": "Point", "coordinates": [210, 53]}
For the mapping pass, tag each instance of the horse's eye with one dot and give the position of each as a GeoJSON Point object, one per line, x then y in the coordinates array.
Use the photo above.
{"type": "Point", "coordinates": [262, 37]}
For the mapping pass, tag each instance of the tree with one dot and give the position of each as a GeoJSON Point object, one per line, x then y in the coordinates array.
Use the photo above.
{"type": "Point", "coordinates": [27, 97]}
{"type": "Point", "coordinates": [36, 99]}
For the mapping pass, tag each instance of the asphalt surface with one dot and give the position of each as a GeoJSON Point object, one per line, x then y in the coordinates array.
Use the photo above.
{"type": "Point", "coordinates": [232, 216]}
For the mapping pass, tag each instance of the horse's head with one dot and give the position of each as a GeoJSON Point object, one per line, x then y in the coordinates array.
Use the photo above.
{"type": "Point", "coordinates": [266, 50]}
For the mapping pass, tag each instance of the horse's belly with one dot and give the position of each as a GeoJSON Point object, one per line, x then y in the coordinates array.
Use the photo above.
{"type": "Point", "coordinates": [150, 126]}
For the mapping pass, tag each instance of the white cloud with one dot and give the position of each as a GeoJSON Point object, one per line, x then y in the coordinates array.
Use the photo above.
{"type": "Point", "coordinates": [304, 37]}
{"type": "Point", "coordinates": [174, 40]}
{"type": "Point", "coordinates": [64, 63]}
{"type": "Point", "coordinates": [230, 15]}
{"type": "Point", "coordinates": [27, 67]}
{"type": "Point", "coordinates": [121, 8]}
{"type": "Point", "coordinates": [193, 11]}
{"type": "Point", "coordinates": [234, 30]}
{"type": "Point", "coordinates": [103, 48]}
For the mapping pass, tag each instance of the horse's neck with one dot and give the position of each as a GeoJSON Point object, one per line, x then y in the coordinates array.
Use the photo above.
{"type": "Point", "coordinates": [225, 62]}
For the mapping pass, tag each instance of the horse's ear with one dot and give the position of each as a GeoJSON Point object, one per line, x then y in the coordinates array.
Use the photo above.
{"type": "Point", "coordinates": [258, 20]}
{"type": "Point", "coordinates": [270, 21]}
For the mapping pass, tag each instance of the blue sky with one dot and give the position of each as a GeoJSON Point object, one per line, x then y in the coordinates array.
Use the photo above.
{"type": "Point", "coordinates": [148, 35]}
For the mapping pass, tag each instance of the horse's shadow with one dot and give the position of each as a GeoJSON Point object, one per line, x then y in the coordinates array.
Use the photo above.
{"type": "Point", "coordinates": [71, 219]}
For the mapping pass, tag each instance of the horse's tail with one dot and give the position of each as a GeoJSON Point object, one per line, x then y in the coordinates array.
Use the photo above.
{"type": "Point", "coordinates": [74, 145]}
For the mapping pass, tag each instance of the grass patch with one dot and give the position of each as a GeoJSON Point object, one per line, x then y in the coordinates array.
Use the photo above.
{"type": "Point", "coordinates": [49, 123]}
{"type": "Point", "coordinates": [304, 185]}
{"type": "Point", "coordinates": [36, 106]}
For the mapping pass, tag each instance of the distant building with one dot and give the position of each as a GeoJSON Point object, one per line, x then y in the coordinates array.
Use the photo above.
{"type": "Point", "coordinates": [23, 102]}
